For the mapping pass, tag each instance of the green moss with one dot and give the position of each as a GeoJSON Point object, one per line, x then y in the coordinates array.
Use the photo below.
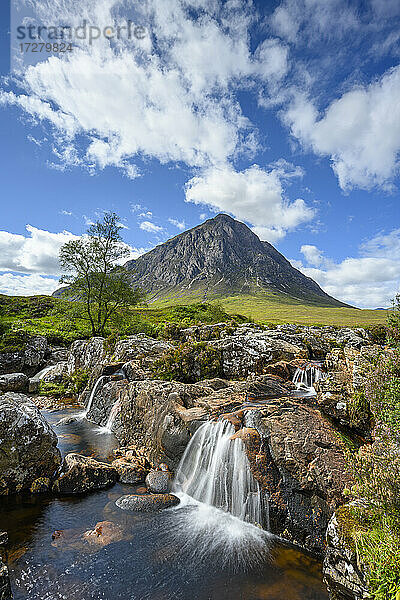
{"type": "Point", "coordinates": [359, 410]}
{"type": "Point", "coordinates": [70, 386]}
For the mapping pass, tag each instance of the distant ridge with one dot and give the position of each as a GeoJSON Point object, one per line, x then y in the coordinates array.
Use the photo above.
{"type": "Point", "coordinates": [219, 258]}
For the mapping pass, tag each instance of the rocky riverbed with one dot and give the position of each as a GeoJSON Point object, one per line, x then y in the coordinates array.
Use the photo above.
{"type": "Point", "coordinates": [133, 427]}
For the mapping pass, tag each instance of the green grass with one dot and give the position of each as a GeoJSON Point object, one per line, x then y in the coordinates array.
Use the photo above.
{"type": "Point", "coordinates": [278, 309]}
{"type": "Point", "coordinates": [56, 319]}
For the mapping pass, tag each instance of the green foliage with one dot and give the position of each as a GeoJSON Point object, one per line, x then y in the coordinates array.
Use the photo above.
{"type": "Point", "coordinates": [378, 334]}
{"type": "Point", "coordinates": [189, 363]}
{"type": "Point", "coordinates": [359, 409]}
{"type": "Point", "coordinates": [376, 470]}
{"type": "Point", "coordinates": [94, 275]}
{"type": "Point", "coordinates": [13, 340]}
{"type": "Point", "coordinates": [70, 386]}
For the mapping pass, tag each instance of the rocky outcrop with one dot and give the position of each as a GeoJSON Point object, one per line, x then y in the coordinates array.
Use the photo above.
{"type": "Point", "coordinates": [28, 360]}
{"type": "Point", "coordinates": [81, 474]}
{"type": "Point", "coordinates": [28, 445]}
{"type": "Point", "coordinates": [86, 354]}
{"type": "Point", "coordinates": [251, 352]}
{"type": "Point", "coordinates": [343, 574]}
{"type": "Point", "coordinates": [160, 416]}
{"type": "Point", "coordinates": [341, 394]}
{"type": "Point", "coordinates": [13, 382]}
{"type": "Point", "coordinates": [147, 502]}
{"type": "Point", "coordinates": [140, 348]}
{"type": "Point", "coordinates": [298, 460]}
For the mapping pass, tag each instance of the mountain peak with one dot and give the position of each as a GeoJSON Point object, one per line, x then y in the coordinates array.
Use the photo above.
{"type": "Point", "coordinates": [221, 257]}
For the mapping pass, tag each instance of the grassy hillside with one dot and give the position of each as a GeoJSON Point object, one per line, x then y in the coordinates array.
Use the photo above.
{"type": "Point", "coordinates": [57, 318]}
{"type": "Point", "coordinates": [278, 308]}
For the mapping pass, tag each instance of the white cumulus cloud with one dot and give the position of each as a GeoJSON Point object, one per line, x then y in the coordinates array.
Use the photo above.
{"type": "Point", "coordinates": [27, 285]}
{"type": "Point", "coordinates": [368, 281]}
{"type": "Point", "coordinates": [254, 195]}
{"type": "Point", "coordinates": [360, 131]}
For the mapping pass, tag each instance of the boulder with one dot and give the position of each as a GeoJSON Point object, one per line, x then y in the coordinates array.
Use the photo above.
{"type": "Point", "coordinates": [28, 360]}
{"type": "Point", "coordinates": [13, 382]}
{"type": "Point", "coordinates": [247, 354]}
{"type": "Point", "coordinates": [28, 445]}
{"type": "Point", "coordinates": [81, 474]}
{"type": "Point", "coordinates": [147, 502]}
{"type": "Point", "coordinates": [50, 374]}
{"type": "Point", "coordinates": [140, 348]}
{"type": "Point", "coordinates": [343, 573]}
{"type": "Point", "coordinates": [130, 471]}
{"type": "Point", "coordinates": [159, 482]}
{"type": "Point", "coordinates": [86, 354]}
{"type": "Point", "coordinates": [299, 463]}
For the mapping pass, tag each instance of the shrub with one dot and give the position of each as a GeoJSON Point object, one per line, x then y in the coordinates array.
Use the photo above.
{"type": "Point", "coordinates": [189, 363]}
{"type": "Point", "coordinates": [376, 470]}
{"type": "Point", "coordinates": [13, 340]}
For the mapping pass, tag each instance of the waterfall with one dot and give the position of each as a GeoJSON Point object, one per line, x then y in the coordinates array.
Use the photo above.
{"type": "Point", "coordinates": [215, 470]}
{"type": "Point", "coordinates": [305, 377]}
{"type": "Point", "coordinates": [112, 416]}
{"type": "Point", "coordinates": [92, 395]}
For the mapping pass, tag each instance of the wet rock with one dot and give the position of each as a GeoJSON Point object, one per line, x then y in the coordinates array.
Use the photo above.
{"type": "Point", "coordinates": [51, 374]}
{"type": "Point", "coordinates": [28, 445]}
{"type": "Point", "coordinates": [13, 382]}
{"type": "Point", "coordinates": [159, 482]}
{"type": "Point", "coordinates": [343, 573]}
{"type": "Point", "coordinates": [5, 585]}
{"type": "Point", "coordinates": [299, 463]}
{"type": "Point", "coordinates": [41, 485]}
{"type": "Point", "coordinates": [104, 533]}
{"type": "Point", "coordinates": [81, 474]}
{"type": "Point", "coordinates": [147, 502]}
{"type": "Point", "coordinates": [130, 471]}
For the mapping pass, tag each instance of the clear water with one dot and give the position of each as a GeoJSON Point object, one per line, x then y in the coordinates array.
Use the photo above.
{"type": "Point", "coordinates": [192, 552]}
{"type": "Point", "coordinates": [215, 470]}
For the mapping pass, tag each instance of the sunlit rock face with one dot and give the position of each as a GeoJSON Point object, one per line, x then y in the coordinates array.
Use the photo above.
{"type": "Point", "coordinates": [29, 359]}
{"type": "Point", "coordinates": [28, 445]}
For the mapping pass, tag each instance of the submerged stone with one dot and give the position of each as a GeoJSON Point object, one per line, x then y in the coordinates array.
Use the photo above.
{"type": "Point", "coordinates": [147, 502]}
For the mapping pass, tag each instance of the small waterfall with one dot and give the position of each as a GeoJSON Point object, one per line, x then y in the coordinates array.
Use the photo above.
{"type": "Point", "coordinates": [92, 396]}
{"type": "Point", "coordinates": [112, 416]}
{"type": "Point", "coordinates": [215, 470]}
{"type": "Point", "coordinates": [305, 377]}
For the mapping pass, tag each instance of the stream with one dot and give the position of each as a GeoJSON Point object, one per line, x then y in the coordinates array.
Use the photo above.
{"type": "Point", "coordinates": [192, 552]}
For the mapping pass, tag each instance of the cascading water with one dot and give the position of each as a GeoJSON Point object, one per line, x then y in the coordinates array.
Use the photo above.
{"type": "Point", "coordinates": [92, 396]}
{"type": "Point", "coordinates": [115, 409]}
{"type": "Point", "coordinates": [305, 377]}
{"type": "Point", "coordinates": [215, 470]}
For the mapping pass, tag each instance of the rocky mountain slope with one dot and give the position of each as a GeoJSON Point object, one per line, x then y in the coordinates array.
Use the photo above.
{"type": "Point", "coordinates": [221, 257]}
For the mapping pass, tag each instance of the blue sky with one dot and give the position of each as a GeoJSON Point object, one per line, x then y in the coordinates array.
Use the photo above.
{"type": "Point", "coordinates": [284, 114]}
